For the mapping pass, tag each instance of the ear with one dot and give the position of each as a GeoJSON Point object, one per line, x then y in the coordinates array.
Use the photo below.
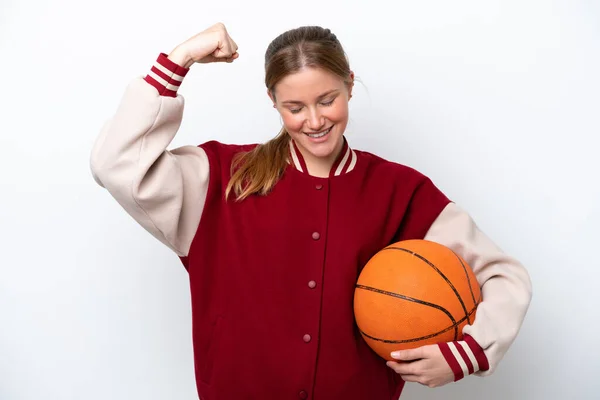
{"type": "Point", "coordinates": [272, 98]}
{"type": "Point", "coordinates": [351, 85]}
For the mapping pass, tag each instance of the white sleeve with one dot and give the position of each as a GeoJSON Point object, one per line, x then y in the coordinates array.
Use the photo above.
{"type": "Point", "coordinates": [164, 191]}
{"type": "Point", "coordinates": [505, 284]}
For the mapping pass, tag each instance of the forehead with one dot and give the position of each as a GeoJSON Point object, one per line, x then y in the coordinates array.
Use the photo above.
{"type": "Point", "coordinates": [307, 84]}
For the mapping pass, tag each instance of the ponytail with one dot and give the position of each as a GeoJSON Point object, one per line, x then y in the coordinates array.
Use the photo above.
{"type": "Point", "coordinates": [257, 171]}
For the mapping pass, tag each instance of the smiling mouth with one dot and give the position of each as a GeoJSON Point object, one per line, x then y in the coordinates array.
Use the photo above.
{"type": "Point", "coordinates": [319, 134]}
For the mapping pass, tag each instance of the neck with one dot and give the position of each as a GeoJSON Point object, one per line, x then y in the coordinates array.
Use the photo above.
{"type": "Point", "coordinates": [321, 166]}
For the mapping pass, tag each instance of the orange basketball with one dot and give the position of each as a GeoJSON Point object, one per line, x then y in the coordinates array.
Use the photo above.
{"type": "Point", "coordinates": [414, 293]}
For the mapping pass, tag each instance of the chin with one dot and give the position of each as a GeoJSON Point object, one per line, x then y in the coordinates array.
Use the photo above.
{"type": "Point", "coordinates": [324, 149]}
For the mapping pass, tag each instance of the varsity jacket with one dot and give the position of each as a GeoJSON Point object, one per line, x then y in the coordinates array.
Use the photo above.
{"type": "Point", "coordinates": [272, 277]}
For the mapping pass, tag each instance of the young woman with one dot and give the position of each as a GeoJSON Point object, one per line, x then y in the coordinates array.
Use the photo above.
{"type": "Point", "coordinates": [275, 235]}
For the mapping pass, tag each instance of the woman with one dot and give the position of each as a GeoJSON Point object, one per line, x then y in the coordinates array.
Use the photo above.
{"type": "Point", "coordinates": [274, 235]}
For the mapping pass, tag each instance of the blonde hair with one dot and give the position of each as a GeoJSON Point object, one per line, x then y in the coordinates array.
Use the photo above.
{"type": "Point", "coordinates": [257, 171]}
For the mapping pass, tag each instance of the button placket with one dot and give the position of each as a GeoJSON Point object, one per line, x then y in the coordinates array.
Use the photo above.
{"type": "Point", "coordinates": [312, 284]}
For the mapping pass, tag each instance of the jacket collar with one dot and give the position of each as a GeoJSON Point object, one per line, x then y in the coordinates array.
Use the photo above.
{"type": "Point", "coordinates": [345, 162]}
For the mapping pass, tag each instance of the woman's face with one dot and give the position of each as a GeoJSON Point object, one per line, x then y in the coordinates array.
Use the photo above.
{"type": "Point", "coordinates": [313, 104]}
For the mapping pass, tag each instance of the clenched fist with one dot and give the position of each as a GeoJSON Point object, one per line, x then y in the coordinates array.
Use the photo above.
{"type": "Point", "coordinates": [211, 45]}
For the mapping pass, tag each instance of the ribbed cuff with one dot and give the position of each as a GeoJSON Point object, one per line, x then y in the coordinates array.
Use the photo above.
{"type": "Point", "coordinates": [166, 76]}
{"type": "Point", "coordinates": [464, 357]}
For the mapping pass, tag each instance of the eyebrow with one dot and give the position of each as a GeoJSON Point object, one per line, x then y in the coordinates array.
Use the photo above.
{"type": "Point", "coordinates": [319, 97]}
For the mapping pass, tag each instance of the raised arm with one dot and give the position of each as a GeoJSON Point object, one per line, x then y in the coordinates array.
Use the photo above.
{"type": "Point", "coordinates": [163, 190]}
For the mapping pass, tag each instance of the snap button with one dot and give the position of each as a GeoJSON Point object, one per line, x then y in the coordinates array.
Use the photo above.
{"type": "Point", "coordinates": [303, 394]}
{"type": "Point", "coordinates": [319, 187]}
{"type": "Point", "coordinates": [312, 284]}
{"type": "Point", "coordinates": [316, 235]}
{"type": "Point", "coordinates": [306, 338]}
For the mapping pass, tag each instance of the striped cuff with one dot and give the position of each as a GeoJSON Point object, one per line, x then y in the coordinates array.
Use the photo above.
{"type": "Point", "coordinates": [464, 357]}
{"type": "Point", "coordinates": [166, 76]}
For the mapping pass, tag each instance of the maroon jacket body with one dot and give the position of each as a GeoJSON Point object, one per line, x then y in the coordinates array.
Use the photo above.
{"type": "Point", "coordinates": [272, 279]}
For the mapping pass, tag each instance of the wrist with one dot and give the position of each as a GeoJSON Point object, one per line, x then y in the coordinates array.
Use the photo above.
{"type": "Point", "coordinates": [181, 57]}
{"type": "Point", "coordinates": [166, 75]}
{"type": "Point", "coordinates": [464, 357]}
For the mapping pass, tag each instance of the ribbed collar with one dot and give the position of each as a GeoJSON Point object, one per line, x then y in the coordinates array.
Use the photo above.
{"type": "Point", "coordinates": [345, 162]}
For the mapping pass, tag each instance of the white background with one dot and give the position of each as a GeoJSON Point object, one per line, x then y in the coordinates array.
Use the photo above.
{"type": "Point", "coordinates": [497, 101]}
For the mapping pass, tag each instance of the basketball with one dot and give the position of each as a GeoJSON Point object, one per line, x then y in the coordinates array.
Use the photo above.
{"type": "Point", "coordinates": [414, 293]}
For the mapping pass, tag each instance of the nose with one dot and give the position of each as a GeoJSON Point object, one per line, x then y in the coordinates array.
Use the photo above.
{"type": "Point", "coordinates": [315, 120]}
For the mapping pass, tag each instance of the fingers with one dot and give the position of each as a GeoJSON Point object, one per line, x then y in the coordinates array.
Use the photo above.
{"type": "Point", "coordinates": [211, 45]}
{"type": "Point", "coordinates": [431, 370]}
{"type": "Point", "coordinates": [416, 354]}
{"type": "Point", "coordinates": [233, 44]}
{"type": "Point", "coordinates": [233, 47]}
{"type": "Point", "coordinates": [213, 59]}
{"type": "Point", "coordinates": [406, 368]}
{"type": "Point", "coordinates": [409, 355]}
{"type": "Point", "coordinates": [415, 371]}
{"type": "Point", "coordinates": [234, 56]}
{"type": "Point", "coordinates": [227, 46]}
{"type": "Point", "coordinates": [226, 51]}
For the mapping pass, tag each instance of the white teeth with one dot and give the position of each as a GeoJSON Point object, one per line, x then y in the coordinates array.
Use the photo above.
{"type": "Point", "coordinates": [318, 135]}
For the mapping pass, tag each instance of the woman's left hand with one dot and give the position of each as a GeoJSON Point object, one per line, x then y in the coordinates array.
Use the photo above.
{"type": "Point", "coordinates": [425, 365]}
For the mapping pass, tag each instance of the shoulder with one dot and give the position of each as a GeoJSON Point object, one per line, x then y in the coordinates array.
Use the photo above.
{"type": "Point", "coordinates": [223, 153]}
{"type": "Point", "coordinates": [380, 167]}
{"type": "Point", "coordinates": [226, 148]}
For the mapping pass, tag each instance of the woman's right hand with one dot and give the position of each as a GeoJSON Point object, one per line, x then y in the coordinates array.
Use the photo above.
{"type": "Point", "coordinates": [211, 45]}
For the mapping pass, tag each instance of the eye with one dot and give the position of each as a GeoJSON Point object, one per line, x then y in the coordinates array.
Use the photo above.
{"type": "Point", "coordinates": [295, 110]}
{"type": "Point", "coordinates": [328, 103]}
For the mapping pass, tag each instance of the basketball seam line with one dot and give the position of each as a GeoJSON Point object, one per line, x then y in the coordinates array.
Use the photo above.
{"type": "Point", "coordinates": [475, 302]}
{"type": "Point", "coordinates": [404, 297]}
{"type": "Point", "coordinates": [444, 277]}
{"type": "Point", "coordinates": [454, 326]}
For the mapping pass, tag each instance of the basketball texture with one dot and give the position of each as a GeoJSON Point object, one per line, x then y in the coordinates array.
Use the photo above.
{"type": "Point", "coordinates": [414, 293]}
